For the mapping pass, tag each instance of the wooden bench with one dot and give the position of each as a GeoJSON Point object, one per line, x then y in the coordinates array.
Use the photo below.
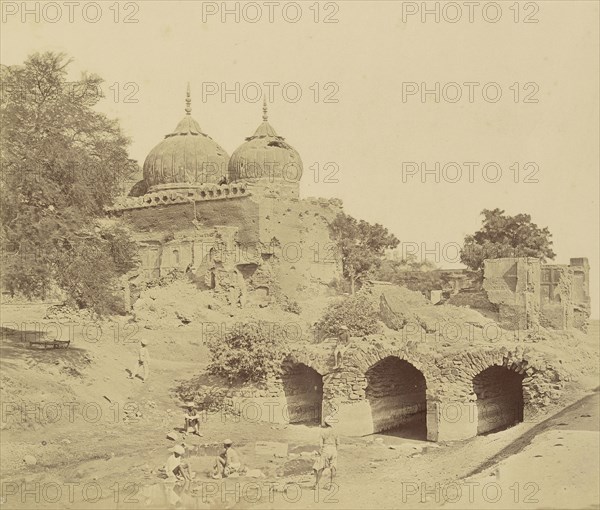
{"type": "Point", "coordinates": [47, 344]}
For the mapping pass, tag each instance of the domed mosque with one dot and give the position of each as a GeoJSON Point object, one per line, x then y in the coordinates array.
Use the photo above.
{"type": "Point", "coordinates": [236, 226]}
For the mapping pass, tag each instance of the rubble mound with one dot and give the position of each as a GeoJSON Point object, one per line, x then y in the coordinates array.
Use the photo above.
{"type": "Point", "coordinates": [403, 308]}
{"type": "Point", "coordinates": [176, 304]}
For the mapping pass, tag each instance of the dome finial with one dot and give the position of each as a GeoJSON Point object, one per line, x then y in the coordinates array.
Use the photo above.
{"type": "Point", "coordinates": [188, 101]}
{"type": "Point", "coordinates": [265, 116]}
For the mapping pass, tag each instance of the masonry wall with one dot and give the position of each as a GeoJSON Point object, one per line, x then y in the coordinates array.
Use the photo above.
{"type": "Point", "coordinates": [298, 231]}
{"type": "Point", "coordinates": [556, 297]}
{"type": "Point", "coordinates": [513, 284]}
{"type": "Point", "coordinates": [189, 217]}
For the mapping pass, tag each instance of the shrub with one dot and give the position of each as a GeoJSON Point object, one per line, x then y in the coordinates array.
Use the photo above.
{"type": "Point", "coordinates": [252, 353]}
{"type": "Point", "coordinates": [358, 312]}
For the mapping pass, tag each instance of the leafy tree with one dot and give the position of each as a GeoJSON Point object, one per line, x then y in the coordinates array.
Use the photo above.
{"type": "Point", "coordinates": [62, 164]}
{"type": "Point", "coordinates": [358, 312]}
{"type": "Point", "coordinates": [362, 245]}
{"type": "Point", "coordinates": [252, 352]}
{"type": "Point", "coordinates": [506, 236]}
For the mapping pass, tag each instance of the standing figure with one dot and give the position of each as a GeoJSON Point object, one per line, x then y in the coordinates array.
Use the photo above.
{"type": "Point", "coordinates": [341, 345]}
{"type": "Point", "coordinates": [328, 453]}
{"type": "Point", "coordinates": [142, 362]}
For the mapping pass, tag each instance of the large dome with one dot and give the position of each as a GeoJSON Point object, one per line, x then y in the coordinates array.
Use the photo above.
{"type": "Point", "coordinates": [187, 156]}
{"type": "Point", "coordinates": [265, 155]}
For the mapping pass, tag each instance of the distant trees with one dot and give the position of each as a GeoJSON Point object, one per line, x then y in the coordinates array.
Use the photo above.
{"type": "Point", "coordinates": [361, 244]}
{"type": "Point", "coordinates": [394, 269]}
{"type": "Point", "coordinates": [62, 164]}
{"type": "Point", "coordinates": [506, 236]}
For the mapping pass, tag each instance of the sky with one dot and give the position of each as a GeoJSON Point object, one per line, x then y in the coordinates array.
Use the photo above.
{"type": "Point", "coordinates": [418, 115]}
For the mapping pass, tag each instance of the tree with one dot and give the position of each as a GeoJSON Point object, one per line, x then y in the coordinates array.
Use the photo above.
{"type": "Point", "coordinates": [506, 236]}
{"type": "Point", "coordinates": [62, 164]}
{"type": "Point", "coordinates": [362, 245]}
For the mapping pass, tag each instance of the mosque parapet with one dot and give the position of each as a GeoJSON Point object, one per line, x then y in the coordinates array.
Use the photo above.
{"type": "Point", "coordinates": [177, 194]}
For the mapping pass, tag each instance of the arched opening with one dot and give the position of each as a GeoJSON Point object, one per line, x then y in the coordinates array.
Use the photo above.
{"type": "Point", "coordinates": [396, 392]}
{"type": "Point", "coordinates": [499, 399]}
{"type": "Point", "coordinates": [303, 388]}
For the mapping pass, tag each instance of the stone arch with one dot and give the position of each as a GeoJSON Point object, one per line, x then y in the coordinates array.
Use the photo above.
{"type": "Point", "coordinates": [499, 398]}
{"type": "Point", "coordinates": [362, 355]}
{"type": "Point", "coordinates": [396, 392]}
{"type": "Point", "coordinates": [303, 390]}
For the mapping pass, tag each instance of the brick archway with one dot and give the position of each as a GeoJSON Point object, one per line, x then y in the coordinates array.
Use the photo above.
{"type": "Point", "coordinates": [396, 394]}
{"type": "Point", "coordinates": [499, 392]}
{"type": "Point", "coordinates": [361, 357]}
{"type": "Point", "coordinates": [303, 389]}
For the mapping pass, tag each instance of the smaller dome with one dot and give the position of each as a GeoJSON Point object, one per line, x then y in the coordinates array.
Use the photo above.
{"type": "Point", "coordinates": [265, 155]}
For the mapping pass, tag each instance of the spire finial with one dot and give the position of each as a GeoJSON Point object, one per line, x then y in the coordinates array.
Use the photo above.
{"type": "Point", "coordinates": [188, 101]}
{"type": "Point", "coordinates": [265, 116]}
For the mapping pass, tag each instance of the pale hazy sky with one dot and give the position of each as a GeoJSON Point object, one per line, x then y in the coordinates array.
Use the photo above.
{"type": "Point", "coordinates": [367, 58]}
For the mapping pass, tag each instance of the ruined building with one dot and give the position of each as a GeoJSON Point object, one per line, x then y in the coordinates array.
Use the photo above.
{"type": "Point", "coordinates": [531, 294]}
{"type": "Point", "coordinates": [236, 224]}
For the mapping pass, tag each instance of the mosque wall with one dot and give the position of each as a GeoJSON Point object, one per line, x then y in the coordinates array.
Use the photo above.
{"type": "Point", "coordinates": [297, 232]}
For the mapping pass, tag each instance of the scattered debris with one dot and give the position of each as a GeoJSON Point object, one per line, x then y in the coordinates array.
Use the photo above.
{"type": "Point", "coordinates": [271, 448]}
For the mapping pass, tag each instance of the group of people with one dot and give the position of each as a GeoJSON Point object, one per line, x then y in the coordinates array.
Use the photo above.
{"type": "Point", "coordinates": [226, 464]}
{"type": "Point", "coordinates": [229, 463]}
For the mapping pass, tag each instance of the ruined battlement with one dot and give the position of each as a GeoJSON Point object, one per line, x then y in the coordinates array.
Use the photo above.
{"type": "Point", "coordinates": [176, 194]}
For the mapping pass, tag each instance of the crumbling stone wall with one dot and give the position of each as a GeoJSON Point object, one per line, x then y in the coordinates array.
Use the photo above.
{"type": "Point", "coordinates": [556, 301]}
{"type": "Point", "coordinates": [514, 285]}
{"type": "Point", "coordinates": [581, 292]}
{"type": "Point", "coordinates": [187, 218]}
{"type": "Point", "coordinates": [529, 294]}
{"type": "Point", "coordinates": [291, 235]}
{"type": "Point", "coordinates": [297, 231]}
{"type": "Point", "coordinates": [385, 382]}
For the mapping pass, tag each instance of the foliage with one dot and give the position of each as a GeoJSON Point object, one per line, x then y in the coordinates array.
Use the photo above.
{"type": "Point", "coordinates": [506, 236]}
{"type": "Point", "coordinates": [252, 352]}
{"type": "Point", "coordinates": [395, 269]}
{"type": "Point", "coordinates": [358, 312]}
{"type": "Point", "coordinates": [63, 163]}
{"type": "Point", "coordinates": [362, 245]}
{"type": "Point", "coordinates": [339, 285]}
